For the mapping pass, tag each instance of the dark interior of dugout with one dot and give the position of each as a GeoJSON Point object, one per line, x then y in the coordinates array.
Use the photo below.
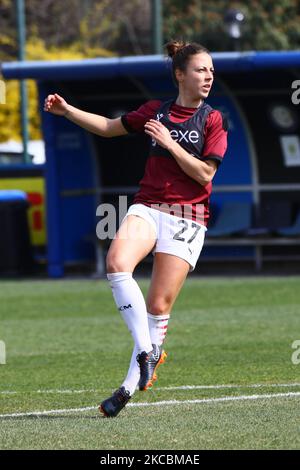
{"type": "Point", "coordinates": [82, 170]}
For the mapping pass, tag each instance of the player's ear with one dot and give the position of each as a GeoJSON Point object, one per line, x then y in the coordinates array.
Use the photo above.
{"type": "Point", "coordinates": [179, 75]}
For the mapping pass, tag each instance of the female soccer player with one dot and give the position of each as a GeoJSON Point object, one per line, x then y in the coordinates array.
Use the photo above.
{"type": "Point", "coordinates": [170, 211]}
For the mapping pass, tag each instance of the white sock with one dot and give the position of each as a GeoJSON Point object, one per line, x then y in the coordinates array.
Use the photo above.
{"type": "Point", "coordinates": [131, 303]}
{"type": "Point", "coordinates": [158, 325]}
{"type": "Point", "coordinates": [133, 374]}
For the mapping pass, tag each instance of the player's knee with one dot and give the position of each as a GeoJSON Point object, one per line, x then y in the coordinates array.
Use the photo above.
{"type": "Point", "coordinates": [116, 264]}
{"type": "Point", "coordinates": [159, 306]}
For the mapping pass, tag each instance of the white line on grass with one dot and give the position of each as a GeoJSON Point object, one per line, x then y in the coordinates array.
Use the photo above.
{"type": "Point", "coordinates": [215, 387]}
{"type": "Point", "coordinates": [158, 403]}
{"type": "Point", "coordinates": [181, 387]}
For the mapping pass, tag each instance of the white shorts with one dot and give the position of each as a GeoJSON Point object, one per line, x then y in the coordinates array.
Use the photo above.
{"type": "Point", "coordinates": [176, 236]}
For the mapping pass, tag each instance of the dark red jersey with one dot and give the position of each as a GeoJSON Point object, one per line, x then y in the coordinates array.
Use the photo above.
{"type": "Point", "coordinates": [164, 182]}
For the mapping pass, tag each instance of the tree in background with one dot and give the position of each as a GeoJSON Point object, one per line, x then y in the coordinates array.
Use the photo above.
{"type": "Point", "coordinates": [269, 25]}
{"type": "Point", "coordinates": [123, 27]}
{"type": "Point", "coordinates": [75, 29]}
{"type": "Point", "coordinates": [118, 26]}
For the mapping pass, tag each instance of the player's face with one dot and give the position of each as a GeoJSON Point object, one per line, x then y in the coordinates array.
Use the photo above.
{"type": "Point", "coordinates": [198, 77]}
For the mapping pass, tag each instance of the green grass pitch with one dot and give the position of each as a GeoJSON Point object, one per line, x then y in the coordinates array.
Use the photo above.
{"type": "Point", "coordinates": [230, 339]}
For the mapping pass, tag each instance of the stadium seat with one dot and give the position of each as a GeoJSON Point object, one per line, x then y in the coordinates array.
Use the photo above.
{"type": "Point", "coordinates": [234, 218]}
{"type": "Point", "coordinates": [271, 217]}
{"type": "Point", "coordinates": [291, 231]}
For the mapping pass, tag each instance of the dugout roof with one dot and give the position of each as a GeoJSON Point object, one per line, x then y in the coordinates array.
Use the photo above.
{"type": "Point", "coordinates": [143, 65]}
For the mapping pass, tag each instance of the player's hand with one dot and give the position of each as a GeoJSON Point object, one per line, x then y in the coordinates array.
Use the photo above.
{"type": "Point", "coordinates": [159, 133]}
{"type": "Point", "coordinates": [56, 104]}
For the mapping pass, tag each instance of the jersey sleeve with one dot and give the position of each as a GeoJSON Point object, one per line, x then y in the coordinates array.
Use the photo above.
{"type": "Point", "coordinates": [215, 137]}
{"type": "Point", "coordinates": [134, 121]}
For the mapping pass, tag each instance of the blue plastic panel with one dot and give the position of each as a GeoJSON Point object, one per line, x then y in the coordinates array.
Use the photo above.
{"type": "Point", "coordinates": [141, 66]}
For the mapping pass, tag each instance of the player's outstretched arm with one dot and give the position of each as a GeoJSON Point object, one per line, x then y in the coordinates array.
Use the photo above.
{"type": "Point", "coordinates": [95, 123]}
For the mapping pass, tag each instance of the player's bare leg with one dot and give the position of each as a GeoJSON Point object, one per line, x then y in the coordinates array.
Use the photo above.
{"type": "Point", "coordinates": [168, 275]}
{"type": "Point", "coordinates": [134, 240]}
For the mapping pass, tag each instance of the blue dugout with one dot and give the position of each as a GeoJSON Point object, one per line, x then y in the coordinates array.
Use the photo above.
{"type": "Point", "coordinates": [255, 90]}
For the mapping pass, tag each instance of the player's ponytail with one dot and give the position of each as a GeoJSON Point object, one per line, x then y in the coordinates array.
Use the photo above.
{"type": "Point", "coordinates": [180, 52]}
{"type": "Point", "coordinates": [174, 46]}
